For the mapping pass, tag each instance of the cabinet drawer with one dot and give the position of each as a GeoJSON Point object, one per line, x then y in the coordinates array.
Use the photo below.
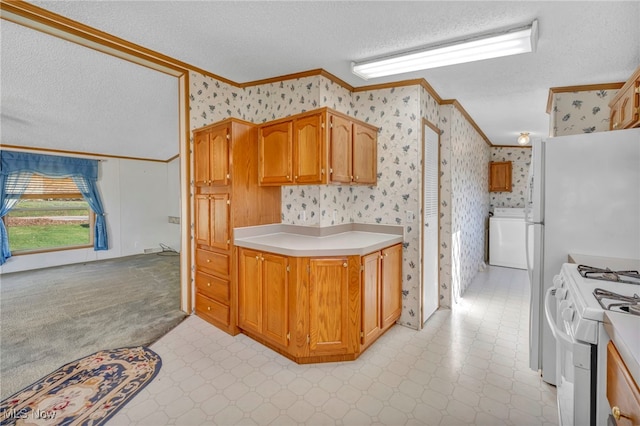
{"type": "Point", "coordinates": [210, 286]}
{"type": "Point", "coordinates": [209, 309]}
{"type": "Point", "coordinates": [213, 262]}
{"type": "Point", "coordinates": [622, 391]}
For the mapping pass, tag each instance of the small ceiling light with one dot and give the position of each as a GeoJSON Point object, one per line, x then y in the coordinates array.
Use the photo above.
{"type": "Point", "coordinates": [523, 139]}
{"type": "Point", "coordinates": [504, 43]}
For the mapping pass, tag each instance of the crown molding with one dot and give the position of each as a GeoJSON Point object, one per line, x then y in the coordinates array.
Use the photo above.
{"type": "Point", "coordinates": [581, 88]}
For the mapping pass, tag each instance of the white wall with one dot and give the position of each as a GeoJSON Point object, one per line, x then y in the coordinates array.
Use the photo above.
{"type": "Point", "coordinates": [138, 197]}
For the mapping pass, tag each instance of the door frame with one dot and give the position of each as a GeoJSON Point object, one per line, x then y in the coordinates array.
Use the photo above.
{"type": "Point", "coordinates": [39, 19]}
{"type": "Point", "coordinates": [435, 128]}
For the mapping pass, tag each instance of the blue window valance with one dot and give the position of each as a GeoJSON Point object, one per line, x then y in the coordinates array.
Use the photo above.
{"type": "Point", "coordinates": [47, 165]}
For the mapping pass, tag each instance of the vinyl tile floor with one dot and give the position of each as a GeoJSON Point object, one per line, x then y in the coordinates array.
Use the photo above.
{"type": "Point", "coordinates": [468, 366]}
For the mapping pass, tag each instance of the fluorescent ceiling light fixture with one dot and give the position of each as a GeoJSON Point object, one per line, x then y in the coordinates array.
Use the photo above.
{"type": "Point", "coordinates": [504, 43]}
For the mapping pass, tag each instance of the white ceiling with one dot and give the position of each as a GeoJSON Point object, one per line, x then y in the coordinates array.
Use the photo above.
{"type": "Point", "coordinates": [579, 43]}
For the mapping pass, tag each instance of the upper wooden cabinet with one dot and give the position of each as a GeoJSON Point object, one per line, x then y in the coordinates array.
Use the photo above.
{"type": "Point", "coordinates": [500, 176]}
{"type": "Point", "coordinates": [317, 147]}
{"type": "Point", "coordinates": [275, 158]}
{"type": "Point", "coordinates": [625, 106]}
{"type": "Point", "coordinates": [211, 157]}
{"type": "Point", "coordinates": [365, 154]}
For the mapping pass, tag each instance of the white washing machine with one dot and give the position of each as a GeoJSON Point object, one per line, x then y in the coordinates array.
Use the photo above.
{"type": "Point", "coordinates": [507, 245]}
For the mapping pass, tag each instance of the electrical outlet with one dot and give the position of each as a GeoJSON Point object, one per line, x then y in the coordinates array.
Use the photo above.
{"type": "Point", "coordinates": [410, 216]}
{"type": "Point", "coordinates": [174, 219]}
{"type": "Point", "coordinates": [335, 215]}
{"type": "Point", "coordinates": [303, 215]}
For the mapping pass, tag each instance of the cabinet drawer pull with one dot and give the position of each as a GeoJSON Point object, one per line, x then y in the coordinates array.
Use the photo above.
{"type": "Point", "coordinates": [295, 177]}
{"type": "Point", "coordinates": [287, 176]}
{"type": "Point", "coordinates": [344, 264]}
{"type": "Point", "coordinates": [208, 260]}
{"type": "Point", "coordinates": [228, 176]}
{"type": "Point", "coordinates": [257, 257]}
{"type": "Point", "coordinates": [357, 177]}
{"type": "Point", "coordinates": [615, 411]}
{"type": "Point", "coordinates": [208, 308]}
{"type": "Point", "coordinates": [208, 284]}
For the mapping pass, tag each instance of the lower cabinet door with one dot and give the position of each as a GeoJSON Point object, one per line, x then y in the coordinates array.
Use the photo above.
{"type": "Point", "coordinates": [275, 319]}
{"type": "Point", "coordinates": [328, 306]}
{"type": "Point", "coordinates": [250, 290]}
{"type": "Point", "coordinates": [391, 285]}
{"type": "Point", "coordinates": [370, 291]}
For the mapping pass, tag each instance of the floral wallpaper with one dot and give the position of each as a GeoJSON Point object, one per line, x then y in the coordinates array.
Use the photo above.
{"type": "Point", "coordinates": [521, 160]}
{"type": "Point", "coordinates": [398, 112]}
{"type": "Point", "coordinates": [463, 194]}
{"type": "Point", "coordinates": [580, 112]}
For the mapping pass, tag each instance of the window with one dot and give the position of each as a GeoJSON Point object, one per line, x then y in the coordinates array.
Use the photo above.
{"type": "Point", "coordinates": [50, 215]}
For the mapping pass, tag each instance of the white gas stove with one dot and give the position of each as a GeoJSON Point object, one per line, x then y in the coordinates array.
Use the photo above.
{"type": "Point", "coordinates": [582, 294]}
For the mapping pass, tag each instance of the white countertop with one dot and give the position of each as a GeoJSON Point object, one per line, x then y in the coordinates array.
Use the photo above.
{"type": "Point", "coordinates": [624, 331]}
{"type": "Point", "coordinates": [300, 241]}
{"type": "Point", "coordinates": [613, 263]}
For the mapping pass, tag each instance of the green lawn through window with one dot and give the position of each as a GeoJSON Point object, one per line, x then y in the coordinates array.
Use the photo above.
{"type": "Point", "coordinates": [48, 224]}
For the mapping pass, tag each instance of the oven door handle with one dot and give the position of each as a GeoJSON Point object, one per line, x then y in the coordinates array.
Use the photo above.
{"type": "Point", "coordinates": [558, 334]}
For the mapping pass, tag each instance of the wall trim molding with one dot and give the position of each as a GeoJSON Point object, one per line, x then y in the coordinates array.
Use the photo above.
{"type": "Point", "coordinates": [466, 115]}
{"type": "Point", "coordinates": [79, 154]}
{"type": "Point", "coordinates": [580, 88]}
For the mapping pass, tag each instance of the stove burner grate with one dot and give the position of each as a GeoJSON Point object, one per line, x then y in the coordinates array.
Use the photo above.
{"type": "Point", "coordinates": [627, 277]}
{"type": "Point", "coordinates": [611, 301]}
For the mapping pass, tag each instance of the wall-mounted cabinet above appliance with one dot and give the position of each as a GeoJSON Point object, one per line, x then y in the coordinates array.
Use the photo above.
{"type": "Point", "coordinates": [500, 176]}
{"type": "Point", "coordinates": [317, 147]}
{"type": "Point", "coordinates": [625, 106]}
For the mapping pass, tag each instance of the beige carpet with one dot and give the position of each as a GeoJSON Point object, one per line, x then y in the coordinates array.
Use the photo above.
{"type": "Point", "coordinates": [52, 316]}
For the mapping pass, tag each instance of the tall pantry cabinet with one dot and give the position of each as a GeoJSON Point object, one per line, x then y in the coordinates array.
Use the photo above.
{"type": "Point", "coordinates": [226, 196]}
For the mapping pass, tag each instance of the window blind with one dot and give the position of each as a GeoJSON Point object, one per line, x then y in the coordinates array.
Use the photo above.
{"type": "Point", "coordinates": [42, 185]}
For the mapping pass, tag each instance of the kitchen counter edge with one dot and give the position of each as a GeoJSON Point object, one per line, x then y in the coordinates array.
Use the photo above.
{"type": "Point", "coordinates": [243, 238]}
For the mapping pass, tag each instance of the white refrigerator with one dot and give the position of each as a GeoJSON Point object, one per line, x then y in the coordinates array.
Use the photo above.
{"type": "Point", "coordinates": [583, 197]}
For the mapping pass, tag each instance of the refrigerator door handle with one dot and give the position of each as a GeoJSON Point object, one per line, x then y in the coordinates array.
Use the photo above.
{"type": "Point", "coordinates": [526, 248]}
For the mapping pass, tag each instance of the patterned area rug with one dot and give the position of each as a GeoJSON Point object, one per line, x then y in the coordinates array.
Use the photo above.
{"type": "Point", "coordinates": [88, 391]}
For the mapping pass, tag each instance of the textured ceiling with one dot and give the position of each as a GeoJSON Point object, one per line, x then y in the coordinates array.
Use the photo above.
{"type": "Point", "coordinates": [57, 94]}
{"type": "Point", "coordinates": [579, 43]}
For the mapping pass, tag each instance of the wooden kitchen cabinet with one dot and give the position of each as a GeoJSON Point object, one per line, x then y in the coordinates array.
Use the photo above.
{"type": "Point", "coordinates": [317, 147]}
{"type": "Point", "coordinates": [212, 220]}
{"type": "Point", "coordinates": [318, 309]}
{"type": "Point", "coordinates": [381, 287]}
{"type": "Point", "coordinates": [329, 306]}
{"type": "Point", "coordinates": [275, 145]}
{"type": "Point", "coordinates": [625, 105]}
{"type": "Point", "coordinates": [500, 176]}
{"type": "Point", "coordinates": [391, 285]}
{"type": "Point", "coordinates": [263, 295]}
{"type": "Point", "coordinates": [622, 391]}
{"type": "Point", "coordinates": [226, 195]}
{"type": "Point", "coordinates": [365, 154]}
{"type": "Point", "coordinates": [211, 157]}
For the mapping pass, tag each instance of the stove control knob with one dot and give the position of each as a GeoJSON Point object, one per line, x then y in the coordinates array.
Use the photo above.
{"type": "Point", "coordinates": [561, 293]}
{"type": "Point", "coordinates": [558, 282]}
{"type": "Point", "coordinates": [568, 313]}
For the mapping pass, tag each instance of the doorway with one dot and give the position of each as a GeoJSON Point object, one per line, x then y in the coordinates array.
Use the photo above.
{"type": "Point", "coordinates": [429, 220]}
